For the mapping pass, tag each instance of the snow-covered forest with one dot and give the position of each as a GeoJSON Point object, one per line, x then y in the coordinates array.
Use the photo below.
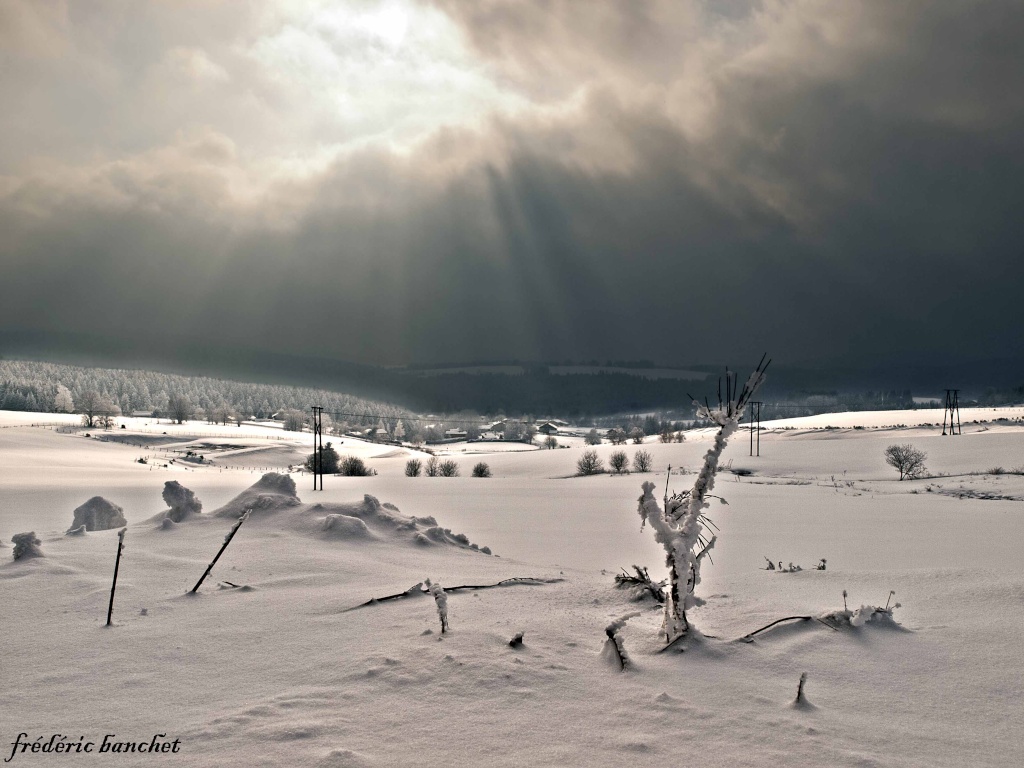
{"type": "Point", "coordinates": [53, 387]}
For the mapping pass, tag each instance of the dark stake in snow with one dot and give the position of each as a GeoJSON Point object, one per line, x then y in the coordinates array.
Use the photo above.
{"type": "Point", "coordinates": [227, 540]}
{"type": "Point", "coordinates": [117, 566]}
{"type": "Point", "coordinates": [800, 690]}
{"type": "Point", "coordinates": [516, 641]}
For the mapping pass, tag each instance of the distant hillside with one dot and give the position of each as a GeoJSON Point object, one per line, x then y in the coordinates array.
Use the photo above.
{"type": "Point", "coordinates": [34, 386]}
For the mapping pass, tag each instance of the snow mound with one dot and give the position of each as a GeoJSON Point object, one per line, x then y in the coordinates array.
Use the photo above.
{"type": "Point", "coordinates": [98, 514]}
{"type": "Point", "coordinates": [346, 527]}
{"type": "Point", "coordinates": [79, 531]}
{"type": "Point", "coordinates": [181, 502]}
{"type": "Point", "coordinates": [271, 493]}
{"type": "Point", "coordinates": [26, 545]}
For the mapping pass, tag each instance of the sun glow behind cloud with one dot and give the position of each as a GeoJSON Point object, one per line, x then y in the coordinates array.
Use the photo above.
{"type": "Point", "coordinates": [357, 73]}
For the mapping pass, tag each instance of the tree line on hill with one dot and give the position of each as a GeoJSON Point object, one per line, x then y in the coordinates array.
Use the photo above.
{"type": "Point", "coordinates": [53, 387]}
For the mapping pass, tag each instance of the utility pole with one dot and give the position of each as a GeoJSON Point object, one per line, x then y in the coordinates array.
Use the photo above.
{"type": "Point", "coordinates": [318, 447]}
{"type": "Point", "coordinates": [953, 411]}
{"type": "Point", "coordinates": [755, 418]}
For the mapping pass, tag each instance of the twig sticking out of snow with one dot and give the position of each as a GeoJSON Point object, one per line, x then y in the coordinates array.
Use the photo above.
{"type": "Point", "coordinates": [417, 590]}
{"type": "Point", "coordinates": [613, 646]}
{"type": "Point", "coordinates": [800, 700]}
{"type": "Point", "coordinates": [441, 600]}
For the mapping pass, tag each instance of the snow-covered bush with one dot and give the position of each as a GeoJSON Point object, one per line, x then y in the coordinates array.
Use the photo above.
{"type": "Point", "coordinates": [26, 545]}
{"type": "Point", "coordinates": [679, 525]}
{"type": "Point", "coordinates": [413, 467]}
{"type": "Point", "coordinates": [589, 464]}
{"type": "Point", "coordinates": [98, 514]}
{"type": "Point", "coordinates": [481, 470]}
{"type": "Point", "coordinates": [181, 502]}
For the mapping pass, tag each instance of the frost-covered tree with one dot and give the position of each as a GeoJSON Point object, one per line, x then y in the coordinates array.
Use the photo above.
{"type": "Point", "coordinates": [94, 406]}
{"type": "Point", "coordinates": [62, 400]}
{"type": "Point", "coordinates": [593, 438]}
{"type": "Point", "coordinates": [679, 525]}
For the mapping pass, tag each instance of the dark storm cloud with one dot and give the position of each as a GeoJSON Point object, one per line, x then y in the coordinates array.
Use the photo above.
{"type": "Point", "coordinates": [692, 182]}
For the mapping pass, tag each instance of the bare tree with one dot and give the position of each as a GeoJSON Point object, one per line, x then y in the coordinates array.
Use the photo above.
{"type": "Point", "coordinates": [589, 464]}
{"type": "Point", "coordinates": [906, 459]}
{"type": "Point", "coordinates": [93, 406]}
{"type": "Point", "coordinates": [179, 408]}
{"type": "Point", "coordinates": [619, 462]}
{"type": "Point", "coordinates": [642, 461]}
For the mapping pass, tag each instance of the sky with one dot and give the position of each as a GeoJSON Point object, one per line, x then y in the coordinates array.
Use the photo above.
{"type": "Point", "coordinates": [407, 181]}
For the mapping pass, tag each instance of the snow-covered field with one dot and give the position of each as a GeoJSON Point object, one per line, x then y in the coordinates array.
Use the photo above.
{"type": "Point", "coordinates": [278, 672]}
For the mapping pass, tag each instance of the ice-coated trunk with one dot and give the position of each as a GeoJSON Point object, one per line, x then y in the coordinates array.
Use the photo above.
{"type": "Point", "coordinates": [678, 527]}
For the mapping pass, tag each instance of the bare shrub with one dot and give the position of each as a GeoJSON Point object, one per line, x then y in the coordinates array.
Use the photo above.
{"type": "Point", "coordinates": [906, 459]}
{"type": "Point", "coordinates": [481, 470]}
{"type": "Point", "coordinates": [413, 467]}
{"type": "Point", "coordinates": [353, 466]}
{"type": "Point", "coordinates": [619, 462]}
{"type": "Point", "coordinates": [589, 464]}
{"type": "Point", "coordinates": [448, 468]}
{"type": "Point", "coordinates": [642, 461]}
{"type": "Point", "coordinates": [432, 466]}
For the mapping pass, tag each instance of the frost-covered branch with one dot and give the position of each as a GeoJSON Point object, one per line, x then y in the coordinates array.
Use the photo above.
{"type": "Point", "coordinates": [441, 601]}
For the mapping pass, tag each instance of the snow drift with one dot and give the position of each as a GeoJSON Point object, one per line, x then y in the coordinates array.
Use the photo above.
{"type": "Point", "coordinates": [273, 497]}
{"type": "Point", "coordinates": [98, 514]}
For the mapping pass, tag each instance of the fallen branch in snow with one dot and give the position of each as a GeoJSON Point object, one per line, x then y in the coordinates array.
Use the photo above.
{"type": "Point", "coordinates": [417, 590]}
{"type": "Point", "coordinates": [641, 584]}
{"type": "Point", "coordinates": [747, 637]}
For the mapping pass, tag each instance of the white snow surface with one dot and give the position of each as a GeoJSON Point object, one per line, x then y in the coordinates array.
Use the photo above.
{"type": "Point", "coordinates": [279, 672]}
